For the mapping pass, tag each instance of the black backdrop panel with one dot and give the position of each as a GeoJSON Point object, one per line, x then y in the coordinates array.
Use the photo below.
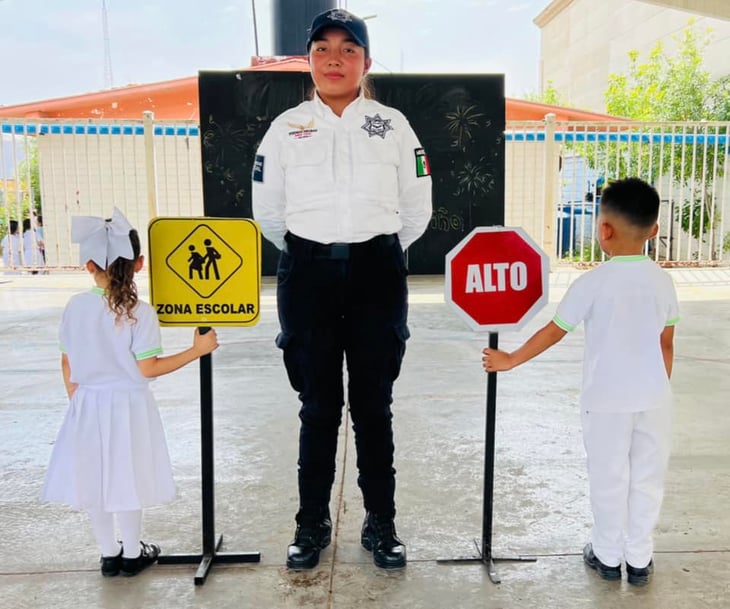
{"type": "Point", "coordinates": [458, 118]}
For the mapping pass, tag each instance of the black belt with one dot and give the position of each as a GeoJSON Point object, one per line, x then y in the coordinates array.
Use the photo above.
{"type": "Point", "coordinates": [335, 251]}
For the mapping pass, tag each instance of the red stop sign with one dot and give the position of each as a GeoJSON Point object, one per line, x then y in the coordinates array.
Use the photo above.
{"type": "Point", "coordinates": [497, 278]}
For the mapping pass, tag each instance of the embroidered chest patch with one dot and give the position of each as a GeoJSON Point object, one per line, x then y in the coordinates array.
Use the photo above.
{"type": "Point", "coordinates": [302, 131]}
{"type": "Point", "coordinates": [375, 125]}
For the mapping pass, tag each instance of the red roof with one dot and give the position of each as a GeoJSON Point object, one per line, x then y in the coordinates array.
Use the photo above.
{"type": "Point", "coordinates": [178, 100]}
{"type": "Point", "coordinates": [523, 110]}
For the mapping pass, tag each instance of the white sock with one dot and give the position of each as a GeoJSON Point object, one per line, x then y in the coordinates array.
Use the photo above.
{"type": "Point", "coordinates": [102, 523]}
{"type": "Point", "coordinates": [130, 525]}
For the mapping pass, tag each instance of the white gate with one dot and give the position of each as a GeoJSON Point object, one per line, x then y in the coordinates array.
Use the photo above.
{"type": "Point", "coordinates": [554, 172]}
{"type": "Point", "coordinates": [145, 168]}
{"type": "Point", "coordinates": [686, 162]}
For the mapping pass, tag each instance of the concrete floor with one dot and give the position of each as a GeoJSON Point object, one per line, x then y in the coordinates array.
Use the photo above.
{"type": "Point", "coordinates": [48, 558]}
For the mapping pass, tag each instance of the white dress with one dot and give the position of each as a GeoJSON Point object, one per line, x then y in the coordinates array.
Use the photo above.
{"type": "Point", "coordinates": [111, 453]}
{"type": "Point", "coordinates": [31, 255]}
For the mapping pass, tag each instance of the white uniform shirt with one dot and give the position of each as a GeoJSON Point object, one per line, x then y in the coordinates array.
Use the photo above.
{"type": "Point", "coordinates": [10, 245]}
{"type": "Point", "coordinates": [625, 305]}
{"type": "Point", "coordinates": [341, 179]}
{"type": "Point", "coordinates": [102, 352]}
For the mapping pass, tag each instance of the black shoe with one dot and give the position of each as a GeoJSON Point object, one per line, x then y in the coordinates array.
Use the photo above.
{"type": "Point", "coordinates": [378, 536]}
{"type": "Point", "coordinates": [111, 565]}
{"type": "Point", "coordinates": [639, 577]}
{"type": "Point", "coordinates": [309, 540]}
{"type": "Point", "coordinates": [606, 572]}
{"type": "Point", "coordinates": [147, 556]}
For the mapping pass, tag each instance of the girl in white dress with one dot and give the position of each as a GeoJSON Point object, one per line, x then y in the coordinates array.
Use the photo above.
{"type": "Point", "coordinates": [110, 458]}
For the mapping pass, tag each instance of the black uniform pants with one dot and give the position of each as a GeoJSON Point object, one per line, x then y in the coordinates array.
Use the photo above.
{"type": "Point", "coordinates": [343, 302]}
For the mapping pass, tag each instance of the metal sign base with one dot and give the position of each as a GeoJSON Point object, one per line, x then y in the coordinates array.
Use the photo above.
{"type": "Point", "coordinates": [209, 555]}
{"type": "Point", "coordinates": [488, 561]}
{"type": "Point", "coordinates": [207, 560]}
{"type": "Point", "coordinates": [484, 549]}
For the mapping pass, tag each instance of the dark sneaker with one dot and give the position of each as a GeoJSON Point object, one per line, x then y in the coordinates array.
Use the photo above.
{"type": "Point", "coordinates": [309, 540]}
{"type": "Point", "coordinates": [639, 577]}
{"type": "Point", "coordinates": [147, 556]}
{"type": "Point", "coordinates": [379, 537]}
{"type": "Point", "coordinates": [111, 565]}
{"type": "Point", "coordinates": [606, 572]}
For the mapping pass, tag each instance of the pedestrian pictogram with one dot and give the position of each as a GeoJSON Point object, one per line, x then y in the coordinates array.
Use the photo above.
{"type": "Point", "coordinates": [205, 271]}
{"type": "Point", "coordinates": [204, 261]}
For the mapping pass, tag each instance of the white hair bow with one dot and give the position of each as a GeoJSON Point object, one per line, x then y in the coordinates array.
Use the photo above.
{"type": "Point", "coordinates": [100, 240]}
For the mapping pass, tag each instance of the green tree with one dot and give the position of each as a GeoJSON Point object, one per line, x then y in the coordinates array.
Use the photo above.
{"type": "Point", "coordinates": [719, 101]}
{"type": "Point", "coordinates": [667, 88]}
{"type": "Point", "coordinates": [23, 192]}
{"type": "Point", "coordinates": [29, 175]}
{"type": "Point", "coordinates": [549, 95]}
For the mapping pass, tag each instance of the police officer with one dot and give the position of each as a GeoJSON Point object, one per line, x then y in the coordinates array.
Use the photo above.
{"type": "Point", "coordinates": [341, 186]}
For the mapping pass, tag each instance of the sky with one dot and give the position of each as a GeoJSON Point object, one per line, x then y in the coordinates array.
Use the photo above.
{"type": "Point", "coordinates": [52, 49]}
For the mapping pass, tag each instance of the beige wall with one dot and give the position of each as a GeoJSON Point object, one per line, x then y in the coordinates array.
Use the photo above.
{"type": "Point", "coordinates": [709, 8]}
{"type": "Point", "coordinates": [583, 41]}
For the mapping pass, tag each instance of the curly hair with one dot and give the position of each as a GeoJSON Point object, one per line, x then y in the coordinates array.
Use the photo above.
{"type": "Point", "coordinates": [121, 293]}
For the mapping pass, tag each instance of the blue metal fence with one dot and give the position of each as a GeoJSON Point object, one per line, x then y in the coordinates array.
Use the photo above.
{"type": "Point", "coordinates": [94, 129]}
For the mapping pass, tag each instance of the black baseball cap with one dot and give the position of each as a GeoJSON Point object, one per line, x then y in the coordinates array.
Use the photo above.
{"type": "Point", "coordinates": [343, 19]}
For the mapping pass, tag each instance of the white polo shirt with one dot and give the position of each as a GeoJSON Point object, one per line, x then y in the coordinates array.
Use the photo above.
{"type": "Point", "coordinates": [341, 179]}
{"type": "Point", "coordinates": [625, 305]}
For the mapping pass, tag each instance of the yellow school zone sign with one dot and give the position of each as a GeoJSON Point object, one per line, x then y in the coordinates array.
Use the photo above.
{"type": "Point", "coordinates": [205, 271]}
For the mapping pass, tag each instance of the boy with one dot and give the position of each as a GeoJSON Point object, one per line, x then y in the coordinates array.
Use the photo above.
{"type": "Point", "coordinates": [629, 307]}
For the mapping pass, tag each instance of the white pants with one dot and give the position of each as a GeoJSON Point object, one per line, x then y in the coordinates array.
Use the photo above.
{"type": "Point", "coordinates": [627, 460]}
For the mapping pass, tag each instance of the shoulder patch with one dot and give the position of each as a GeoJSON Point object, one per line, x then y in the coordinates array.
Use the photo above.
{"type": "Point", "coordinates": [423, 168]}
{"type": "Point", "coordinates": [258, 168]}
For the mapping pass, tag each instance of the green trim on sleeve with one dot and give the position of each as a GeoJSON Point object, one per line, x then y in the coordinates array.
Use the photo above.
{"type": "Point", "coordinates": [148, 354]}
{"type": "Point", "coordinates": [562, 324]}
{"type": "Point", "coordinates": [62, 349]}
{"type": "Point", "coordinates": [672, 322]}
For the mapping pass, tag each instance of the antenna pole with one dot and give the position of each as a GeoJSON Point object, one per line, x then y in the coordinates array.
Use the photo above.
{"type": "Point", "coordinates": [255, 27]}
{"type": "Point", "coordinates": [108, 75]}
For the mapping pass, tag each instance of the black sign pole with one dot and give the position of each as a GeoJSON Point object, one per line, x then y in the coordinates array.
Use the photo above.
{"type": "Point", "coordinates": [489, 450]}
{"type": "Point", "coordinates": [484, 550]}
{"type": "Point", "coordinates": [210, 552]}
{"type": "Point", "coordinates": [207, 466]}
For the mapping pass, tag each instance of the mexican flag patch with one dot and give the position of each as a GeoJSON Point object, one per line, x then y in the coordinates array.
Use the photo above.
{"type": "Point", "coordinates": [423, 168]}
